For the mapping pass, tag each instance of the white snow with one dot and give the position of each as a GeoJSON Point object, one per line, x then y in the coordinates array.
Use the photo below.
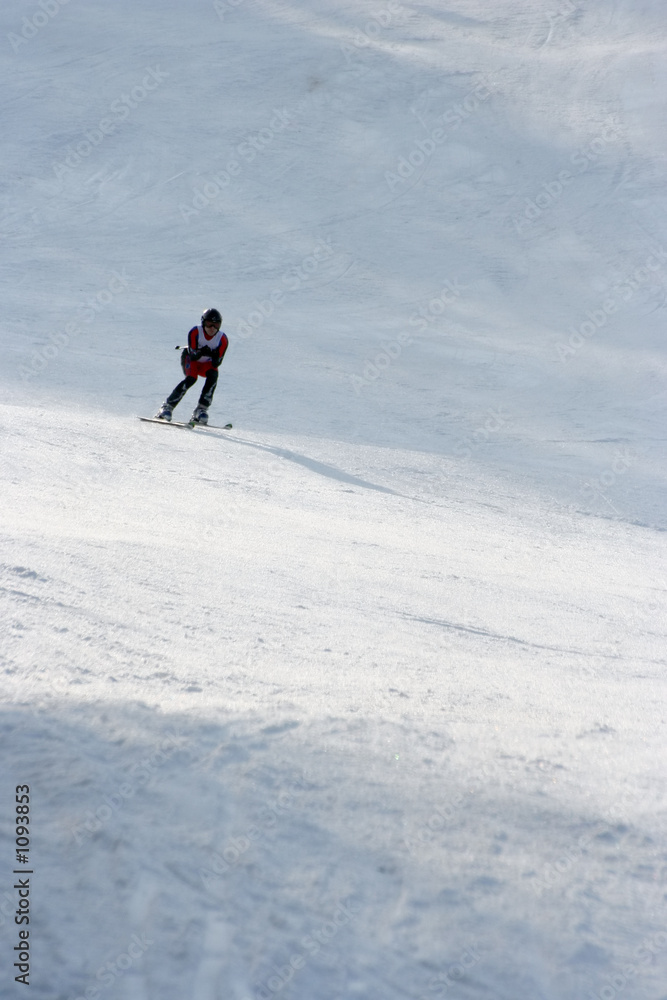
{"type": "Point", "coordinates": [364, 698]}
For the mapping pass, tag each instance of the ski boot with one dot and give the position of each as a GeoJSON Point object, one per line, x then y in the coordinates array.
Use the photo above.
{"type": "Point", "coordinates": [200, 416]}
{"type": "Point", "coordinates": [164, 413]}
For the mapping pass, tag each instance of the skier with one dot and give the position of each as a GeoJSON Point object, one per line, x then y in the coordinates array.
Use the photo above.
{"type": "Point", "coordinates": [203, 356]}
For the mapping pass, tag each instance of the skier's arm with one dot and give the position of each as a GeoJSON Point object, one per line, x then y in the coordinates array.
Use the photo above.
{"type": "Point", "coordinates": [216, 360]}
{"type": "Point", "coordinates": [193, 349]}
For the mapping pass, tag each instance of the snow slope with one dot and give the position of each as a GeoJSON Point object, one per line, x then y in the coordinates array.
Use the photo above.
{"type": "Point", "coordinates": [364, 697]}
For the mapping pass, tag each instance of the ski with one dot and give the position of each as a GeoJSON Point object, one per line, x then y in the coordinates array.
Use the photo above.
{"type": "Point", "coordinates": [189, 425]}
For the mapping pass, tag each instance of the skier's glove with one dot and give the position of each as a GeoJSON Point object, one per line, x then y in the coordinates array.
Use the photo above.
{"type": "Point", "coordinates": [205, 352]}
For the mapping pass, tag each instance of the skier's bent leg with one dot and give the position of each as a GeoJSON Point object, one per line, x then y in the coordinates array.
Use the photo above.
{"type": "Point", "coordinates": [206, 397]}
{"type": "Point", "coordinates": [180, 390]}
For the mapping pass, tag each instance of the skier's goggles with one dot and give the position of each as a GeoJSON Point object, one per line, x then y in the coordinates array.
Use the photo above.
{"type": "Point", "coordinates": [212, 325]}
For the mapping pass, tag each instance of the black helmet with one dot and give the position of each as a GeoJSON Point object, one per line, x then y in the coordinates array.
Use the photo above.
{"type": "Point", "coordinates": [211, 316]}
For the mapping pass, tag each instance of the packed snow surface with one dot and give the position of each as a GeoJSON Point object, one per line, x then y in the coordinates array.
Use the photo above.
{"type": "Point", "coordinates": [363, 699]}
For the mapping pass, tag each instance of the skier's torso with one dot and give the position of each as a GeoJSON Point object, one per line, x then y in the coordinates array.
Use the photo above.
{"type": "Point", "coordinates": [198, 339]}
